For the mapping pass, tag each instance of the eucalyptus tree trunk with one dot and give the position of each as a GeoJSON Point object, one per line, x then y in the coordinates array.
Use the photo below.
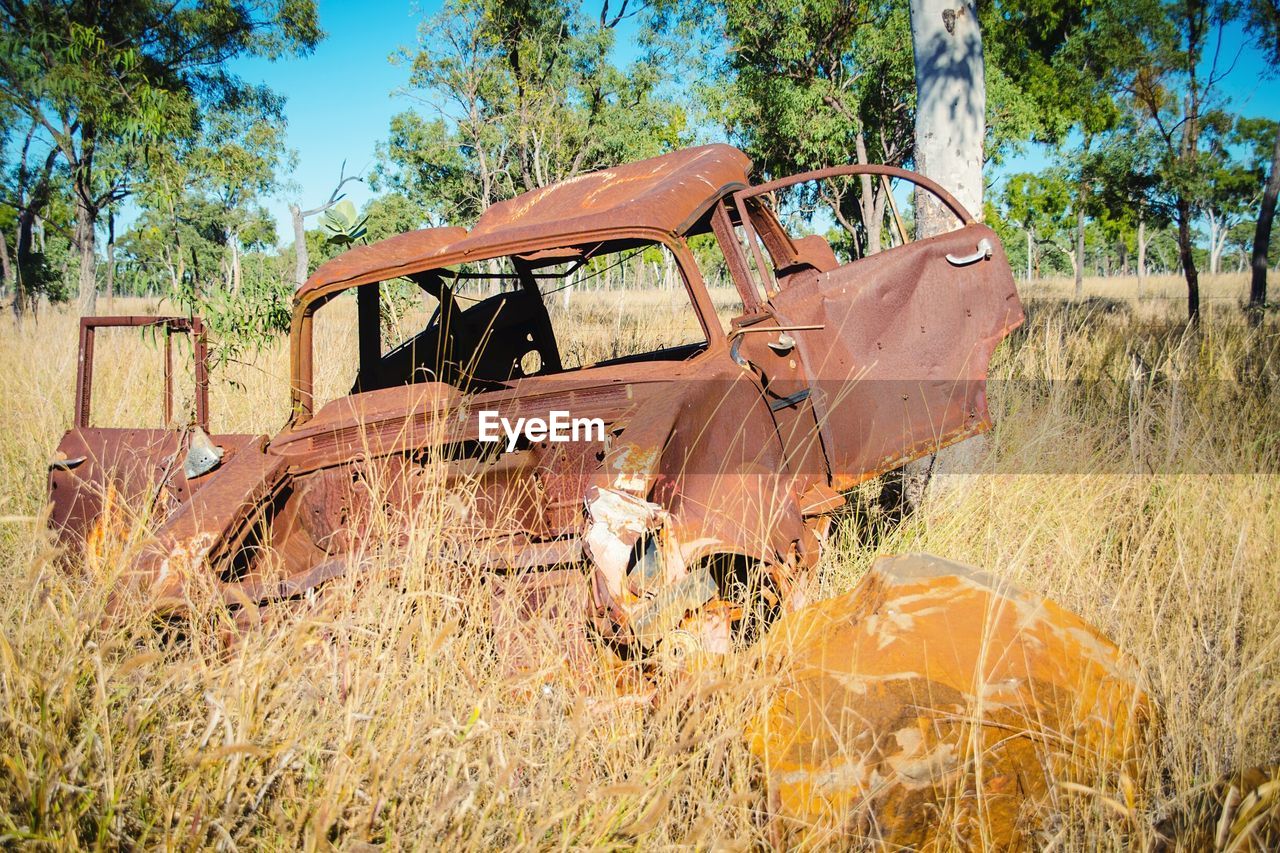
{"type": "Point", "coordinates": [951, 100]}
{"type": "Point", "coordinates": [1262, 238]}
{"type": "Point", "coordinates": [1187, 258]}
{"type": "Point", "coordinates": [111, 255]}
{"type": "Point", "coordinates": [1078, 263]}
{"type": "Point", "coordinates": [27, 264]}
{"type": "Point", "coordinates": [870, 203]}
{"type": "Point", "coordinates": [301, 260]}
{"type": "Point", "coordinates": [86, 220]}
{"type": "Point", "coordinates": [1216, 241]}
{"type": "Point", "coordinates": [233, 241]}
{"type": "Point", "coordinates": [1142, 257]}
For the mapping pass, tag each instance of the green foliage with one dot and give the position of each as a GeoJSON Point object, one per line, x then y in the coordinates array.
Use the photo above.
{"type": "Point", "coordinates": [41, 278]}
{"type": "Point", "coordinates": [1046, 71]}
{"type": "Point", "coordinates": [247, 320]}
{"type": "Point", "coordinates": [1123, 174]}
{"type": "Point", "coordinates": [341, 225]}
{"type": "Point", "coordinates": [710, 260]}
{"type": "Point", "coordinates": [805, 80]}
{"type": "Point", "coordinates": [1042, 205]}
{"type": "Point", "coordinates": [1262, 19]}
{"type": "Point", "coordinates": [391, 214]}
{"type": "Point", "coordinates": [120, 86]}
{"type": "Point", "coordinates": [818, 83]}
{"type": "Point", "coordinates": [519, 94]}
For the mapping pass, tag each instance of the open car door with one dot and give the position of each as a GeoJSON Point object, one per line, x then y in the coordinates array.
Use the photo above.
{"type": "Point", "coordinates": [95, 467]}
{"type": "Point", "coordinates": [894, 346]}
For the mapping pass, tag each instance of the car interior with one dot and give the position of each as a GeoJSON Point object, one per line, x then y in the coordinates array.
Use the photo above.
{"type": "Point", "coordinates": [478, 343]}
{"type": "Point", "coordinates": [495, 321]}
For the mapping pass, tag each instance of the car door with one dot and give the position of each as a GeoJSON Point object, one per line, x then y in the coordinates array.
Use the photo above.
{"type": "Point", "coordinates": [128, 468]}
{"type": "Point", "coordinates": [895, 345]}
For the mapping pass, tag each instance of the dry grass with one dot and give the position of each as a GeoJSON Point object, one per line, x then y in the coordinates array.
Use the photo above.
{"type": "Point", "coordinates": [1162, 294]}
{"type": "Point", "coordinates": [1146, 499]}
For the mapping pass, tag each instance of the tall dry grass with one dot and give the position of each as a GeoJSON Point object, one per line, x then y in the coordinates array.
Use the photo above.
{"type": "Point", "coordinates": [1132, 477]}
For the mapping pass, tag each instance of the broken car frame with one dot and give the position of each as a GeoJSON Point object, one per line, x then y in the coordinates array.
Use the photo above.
{"type": "Point", "coordinates": [723, 460]}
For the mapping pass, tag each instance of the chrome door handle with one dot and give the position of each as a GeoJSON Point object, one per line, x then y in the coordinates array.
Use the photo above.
{"type": "Point", "coordinates": [983, 252]}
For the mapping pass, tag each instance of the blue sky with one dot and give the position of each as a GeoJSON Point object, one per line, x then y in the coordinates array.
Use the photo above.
{"type": "Point", "coordinates": [342, 97]}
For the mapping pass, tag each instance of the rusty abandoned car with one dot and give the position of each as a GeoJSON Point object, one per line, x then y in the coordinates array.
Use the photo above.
{"type": "Point", "coordinates": [721, 460]}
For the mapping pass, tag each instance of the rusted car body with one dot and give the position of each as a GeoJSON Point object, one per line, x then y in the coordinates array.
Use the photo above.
{"type": "Point", "coordinates": [721, 463]}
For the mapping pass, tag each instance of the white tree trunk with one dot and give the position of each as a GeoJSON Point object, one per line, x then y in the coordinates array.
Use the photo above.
{"type": "Point", "coordinates": [233, 271]}
{"type": "Point", "coordinates": [1142, 257]}
{"type": "Point", "coordinates": [951, 106]}
{"type": "Point", "coordinates": [1071, 256]}
{"type": "Point", "coordinates": [951, 99]}
{"type": "Point", "coordinates": [1030, 253]}
{"type": "Point", "coordinates": [301, 261]}
{"type": "Point", "coordinates": [1217, 237]}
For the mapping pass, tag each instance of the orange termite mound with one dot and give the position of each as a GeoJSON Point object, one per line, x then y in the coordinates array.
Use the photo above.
{"type": "Point", "coordinates": [936, 705]}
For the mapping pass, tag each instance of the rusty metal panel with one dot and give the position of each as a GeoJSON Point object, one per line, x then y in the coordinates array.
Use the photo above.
{"type": "Point", "coordinates": [133, 468]}
{"type": "Point", "coordinates": [665, 194]}
{"type": "Point", "coordinates": [387, 259]}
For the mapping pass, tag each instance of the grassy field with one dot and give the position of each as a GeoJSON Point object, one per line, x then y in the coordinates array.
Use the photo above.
{"type": "Point", "coordinates": [1132, 477]}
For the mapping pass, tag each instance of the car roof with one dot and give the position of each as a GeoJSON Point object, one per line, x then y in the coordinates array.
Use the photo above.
{"type": "Point", "coordinates": [668, 194]}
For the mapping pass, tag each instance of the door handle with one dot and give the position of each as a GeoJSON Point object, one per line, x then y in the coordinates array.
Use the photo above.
{"type": "Point", "coordinates": [783, 345]}
{"type": "Point", "coordinates": [983, 252]}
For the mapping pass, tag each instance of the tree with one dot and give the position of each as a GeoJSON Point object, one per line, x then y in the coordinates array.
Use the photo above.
{"type": "Point", "coordinates": [7, 221]}
{"type": "Point", "coordinates": [390, 214]}
{"type": "Point", "coordinates": [1040, 206]}
{"type": "Point", "coordinates": [299, 217]}
{"type": "Point", "coordinates": [1035, 71]}
{"type": "Point", "coordinates": [29, 187]}
{"type": "Point", "coordinates": [950, 127]}
{"type": "Point", "coordinates": [1231, 182]}
{"type": "Point", "coordinates": [107, 82]}
{"type": "Point", "coordinates": [8, 215]}
{"type": "Point", "coordinates": [1126, 185]}
{"type": "Point", "coordinates": [820, 83]}
{"type": "Point", "coordinates": [235, 163]}
{"type": "Point", "coordinates": [1263, 21]}
{"type": "Point", "coordinates": [1160, 64]}
{"type": "Point", "coordinates": [520, 94]}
